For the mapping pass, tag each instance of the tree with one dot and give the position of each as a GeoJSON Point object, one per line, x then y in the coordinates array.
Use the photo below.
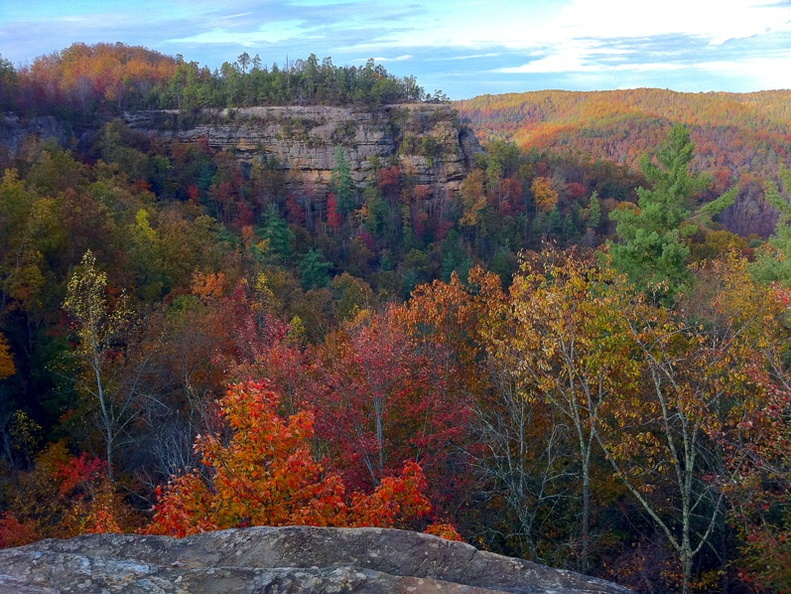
{"type": "Point", "coordinates": [314, 270]}
{"type": "Point", "coordinates": [342, 183]}
{"type": "Point", "coordinates": [98, 325]}
{"type": "Point", "coordinates": [545, 196]}
{"type": "Point", "coordinates": [382, 399]}
{"type": "Point", "coordinates": [7, 366]}
{"type": "Point", "coordinates": [279, 237]}
{"type": "Point", "coordinates": [651, 246]}
{"type": "Point", "coordinates": [667, 440]}
{"type": "Point", "coordinates": [773, 260]}
{"type": "Point", "coordinates": [28, 230]}
{"type": "Point", "coordinates": [62, 496]}
{"type": "Point", "coordinates": [561, 340]}
{"type": "Point", "coordinates": [334, 220]}
{"type": "Point", "coordinates": [266, 475]}
{"type": "Point", "coordinates": [757, 444]}
{"type": "Point", "coordinates": [473, 198]}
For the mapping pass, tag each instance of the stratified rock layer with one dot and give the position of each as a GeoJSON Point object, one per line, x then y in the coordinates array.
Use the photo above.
{"type": "Point", "coordinates": [425, 140]}
{"type": "Point", "coordinates": [290, 559]}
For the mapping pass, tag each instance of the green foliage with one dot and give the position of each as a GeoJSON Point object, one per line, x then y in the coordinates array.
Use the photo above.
{"type": "Point", "coordinates": [342, 184]}
{"type": "Point", "coordinates": [651, 247]}
{"type": "Point", "coordinates": [773, 261]}
{"type": "Point", "coordinates": [229, 267]}
{"type": "Point", "coordinates": [454, 258]}
{"type": "Point", "coordinates": [9, 82]}
{"type": "Point", "coordinates": [279, 238]}
{"type": "Point", "coordinates": [594, 211]}
{"type": "Point", "coordinates": [85, 81]}
{"type": "Point", "coordinates": [314, 270]}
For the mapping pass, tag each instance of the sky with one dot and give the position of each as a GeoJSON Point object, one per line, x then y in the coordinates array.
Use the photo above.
{"type": "Point", "coordinates": [461, 47]}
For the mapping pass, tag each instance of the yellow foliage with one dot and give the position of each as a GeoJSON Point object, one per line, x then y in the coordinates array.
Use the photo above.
{"type": "Point", "coordinates": [7, 367]}
{"type": "Point", "coordinates": [544, 194]}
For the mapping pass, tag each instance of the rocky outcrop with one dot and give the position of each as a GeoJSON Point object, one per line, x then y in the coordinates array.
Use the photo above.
{"type": "Point", "coordinates": [14, 129]}
{"type": "Point", "coordinates": [290, 559]}
{"type": "Point", "coordinates": [426, 140]}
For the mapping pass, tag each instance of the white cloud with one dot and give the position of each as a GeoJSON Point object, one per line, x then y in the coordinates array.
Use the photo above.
{"type": "Point", "coordinates": [274, 32]}
{"type": "Point", "coordinates": [716, 21]}
{"type": "Point", "coordinates": [565, 41]}
{"type": "Point", "coordinates": [767, 72]}
{"type": "Point", "coordinates": [403, 58]}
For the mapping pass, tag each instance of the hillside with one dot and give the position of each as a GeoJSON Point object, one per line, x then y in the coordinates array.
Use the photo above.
{"type": "Point", "coordinates": [220, 311]}
{"type": "Point", "coordinates": [740, 138]}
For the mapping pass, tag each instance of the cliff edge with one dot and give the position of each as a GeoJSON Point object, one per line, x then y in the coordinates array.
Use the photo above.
{"type": "Point", "coordinates": [288, 559]}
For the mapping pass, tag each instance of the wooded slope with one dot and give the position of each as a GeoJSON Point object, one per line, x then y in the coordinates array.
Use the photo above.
{"type": "Point", "coordinates": [739, 138]}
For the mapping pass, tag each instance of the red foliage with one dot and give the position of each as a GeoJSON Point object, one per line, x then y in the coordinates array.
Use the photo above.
{"type": "Point", "coordinates": [77, 471]}
{"type": "Point", "coordinates": [14, 533]}
{"type": "Point", "coordinates": [333, 216]}
{"type": "Point", "coordinates": [295, 213]}
{"type": "Point", "coordinates": [64, 496]}
{"type": "Point", "coordinates": [390, 181]}
{"type": "Point", "coordinates": [382, 400]}
{"type": "Point", "coordinates": [266, 475]}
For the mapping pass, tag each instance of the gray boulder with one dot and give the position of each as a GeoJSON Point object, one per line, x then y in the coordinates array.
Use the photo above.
{"type": "Point", "coordinates": [278, 560]}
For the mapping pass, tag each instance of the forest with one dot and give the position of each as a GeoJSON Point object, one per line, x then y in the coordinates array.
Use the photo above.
{"type": "Point", "coordinates": [569, 360]}
{"type": "Point", "coordinates": [87, 83]}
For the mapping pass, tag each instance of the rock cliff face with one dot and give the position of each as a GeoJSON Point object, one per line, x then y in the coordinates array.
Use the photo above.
{"type": "Point", "coordinates": [13, 130]}
{"type": "Point", "coordinates": [426, 140]}
{"type": "Point", "coordinates": [290, 559]}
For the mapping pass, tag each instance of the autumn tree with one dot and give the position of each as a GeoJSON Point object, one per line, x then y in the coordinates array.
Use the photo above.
{"type": "Point", "coordinates": [700, 378]}
{"type": "Point", "coordinates": [7, 366]}
{"type": "Point", "coordinates": [265, 474]}
{"type": "Point", "coordinates": [473, 198]}
{"type": "Point", "coordinates": [28, 228]}
{"type": "Point", "coordinates": [98, 325]}
{"type": "Point", "coordinates": [756, 444]}
{"type": "Point", "coordinates": [61, 496]}
{"type": "Point", "coordinates": [383, 400]}
{"type": "Point", "coordinates": [561, 341]}
{"type": "Point", "coordinates": [545, 196]}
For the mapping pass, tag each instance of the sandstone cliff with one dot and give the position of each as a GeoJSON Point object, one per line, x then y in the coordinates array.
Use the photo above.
{"type": "Point", "coordinates": [426, 140]}
{"type": "Point", "coordinates": [290, 559]}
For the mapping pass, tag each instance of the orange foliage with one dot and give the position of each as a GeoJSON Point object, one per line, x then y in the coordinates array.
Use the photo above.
{"type": "Point", "coordinates": [7, 366]}
{"type": "Point", "coordinates": [64, 496]}
{"type": "Point", "coordinates": [266, 475]}
{"type": "Point", "coordinates": [544, 194]}
{"type": "Point", "coordinates": [81, 73]}
{"type": "Point", "coordinates": [734, 133]}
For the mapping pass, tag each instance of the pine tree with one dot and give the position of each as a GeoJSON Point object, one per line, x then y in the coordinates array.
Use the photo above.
{"type": "Point", "coordinates": [341, 183]}
{"type": "Point", "coordinates": [651, 249]}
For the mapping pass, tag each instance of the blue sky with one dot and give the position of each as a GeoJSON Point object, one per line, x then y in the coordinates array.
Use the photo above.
{"type": "Point", "coordinates": [463, 47]}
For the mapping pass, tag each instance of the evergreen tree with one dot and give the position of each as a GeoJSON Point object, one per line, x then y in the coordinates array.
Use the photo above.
{"type": "Point", "coordinates": [314, 270]}
{"type": "Point", "coordinates": [341, 183]}
{"type": "Point", "coordinates": [279, 236]}
{"type": "Point", "coordinates": [650, 248]}
{"type": "Point", "coordinates": [594, 212]}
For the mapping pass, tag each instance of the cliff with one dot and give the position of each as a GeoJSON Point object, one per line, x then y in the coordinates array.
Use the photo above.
{"type": "Point", "coordinates": [426, 140]}
{"type": "Point", "coordinates": [290, 559]}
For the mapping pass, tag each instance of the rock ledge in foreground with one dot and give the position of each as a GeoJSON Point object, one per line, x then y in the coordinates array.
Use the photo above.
{"type": "Point", "coordinates": [288, 559]}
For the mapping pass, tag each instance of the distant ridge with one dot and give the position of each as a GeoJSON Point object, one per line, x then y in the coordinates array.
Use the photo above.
{"type": "Point", "coordinates": [621, 125]}
{"type": "Point", "coordinates": [740, 138]}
